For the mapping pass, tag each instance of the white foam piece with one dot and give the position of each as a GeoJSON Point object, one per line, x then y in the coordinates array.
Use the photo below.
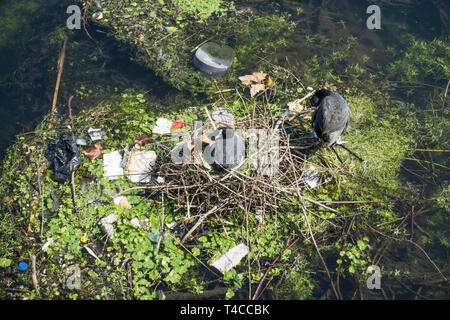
{"type": "Point", "coordinates": [231, 258]}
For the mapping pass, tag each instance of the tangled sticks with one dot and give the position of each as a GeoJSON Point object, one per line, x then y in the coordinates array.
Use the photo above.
{"type": "Point", "coordinates": [267, 179]}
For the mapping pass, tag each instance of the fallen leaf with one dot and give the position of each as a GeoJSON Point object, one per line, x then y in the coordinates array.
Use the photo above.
{"type": "Point", "coordinates": [270, 82]}
{"type": "Point", "coordinates": [259, 76]}
{"type": "Point", "coordinates": [247, 80]}
{"type": "Point", "coordinates": [93, 152]}
{"type": "Point", "coordinates": [255, 88]}
{"type": "Point", "coordinates": [124, 203]}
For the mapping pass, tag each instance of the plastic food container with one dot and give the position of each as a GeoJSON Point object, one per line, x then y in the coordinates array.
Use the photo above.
{"type": "Point", "coordinates": [213, 59]}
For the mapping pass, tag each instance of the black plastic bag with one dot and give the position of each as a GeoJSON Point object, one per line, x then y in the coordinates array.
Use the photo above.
{"type": "Point", "coordinates": [66, 158]}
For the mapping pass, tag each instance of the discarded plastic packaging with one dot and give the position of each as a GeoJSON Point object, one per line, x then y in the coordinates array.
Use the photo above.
{"type": "Point", "coordinates": [96, 134]}
{"type": "Point", "coordinates": [223, 116]}
{"type": "Point", "coordinates": [160, 54]}
{"type": "Point", "coordinates": [22, 266]}
{"type": "Point", "coordinates": [112, 165]}
{"type": "Point", "coordinates": [160, 179]}
{"type": "Point", "coordinates": [233, 256]}
{"type": "Point", "coordinates": [140, 166]}
{"type": "Point", "coordinates": [178, 124]}
{"type": "Point", "coordinates": [66, 158]}
{"type": "Point", "coordinates": [163, 126]}
{"type": "Point", "coordinates": [311, 177]}
{"type": "Point", "coordinates": [213, 59]}
{"type": "Point", "coordinates": [81, 142]}
{"type": "Point", "coordinates": [107, 224]}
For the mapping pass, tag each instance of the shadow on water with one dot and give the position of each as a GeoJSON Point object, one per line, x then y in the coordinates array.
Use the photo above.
{"type": "Point", "coordinates": [28, 60]}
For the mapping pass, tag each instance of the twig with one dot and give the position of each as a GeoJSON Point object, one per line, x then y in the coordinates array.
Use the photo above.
{"type": "Point", "coordinates": [42, 199]}
{"type": "Point", "coordinates": [161, 227]}
{"type": "Point", "coordinates": [72, 178]}
{"type": "Point", "coordinates": [210, 119]}
{"type": "Point", "coordinates": [203, 217]}
{"type": "Point", "coordinates": [256, 294]}
{"type": "Point", "coordinates": [351, 152]}
{"type": "Point", "coordinates": [61, 59]}
{"type": "Point", "coordinates": [33, 269]}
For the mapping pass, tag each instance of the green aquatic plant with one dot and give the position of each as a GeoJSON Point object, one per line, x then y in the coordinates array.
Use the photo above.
{"type": "Point", "coordinates": [201, 8]}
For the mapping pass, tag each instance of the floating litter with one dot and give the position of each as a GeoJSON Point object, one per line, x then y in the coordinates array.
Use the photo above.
{"type": "Point", "coordinates": [233, 256]}
{"type": "Point", "coordinates": [23, 266]}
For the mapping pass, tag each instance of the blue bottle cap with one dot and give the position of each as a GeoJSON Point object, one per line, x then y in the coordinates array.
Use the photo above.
{"type": "Point", "coordinates": [23, 266]}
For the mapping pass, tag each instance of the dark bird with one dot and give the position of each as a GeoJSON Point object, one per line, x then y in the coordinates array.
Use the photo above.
{"type": "Point", "coordinates": [330, 118]}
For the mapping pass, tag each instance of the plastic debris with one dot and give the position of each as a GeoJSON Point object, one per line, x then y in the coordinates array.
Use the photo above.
{"type": "Point", "coordinates": [140, 223]}
{"type": "Point", "coordinates": [112, 165]}
{"type": "Point", "coordinates": [310, 176]}
{"type": "Point", "coordinates": [160, 54]}
{"type": "Point", "coordinates": [178, 124]}
{"type": "Point", "coordinates": [223, 116]}
{"type": "Point", "coordinates": [66, 158]}
{"type": "Point", "coordinates": [163, 126]}
{"type": "Point", "coordinates": [93, 152]}
{"type": "Point", "coordinates": [97, 15]}
{"type": "Point", "coordinates": [160, 179]}
{"type": "Point", "coordinates": [81, 142]}
{"type": "Point", "coordinates": [233, 256]}
{"type": "Point", "coordinates": [140, 165]}
{"type": "Point", "coordinates": [96, 134]}
{"type": "Point", "coordinates": [213, 59]}
{"type": "Point", "coordinates": [107, 224]}
{"type": "Point", "coordinates": [22, 266]}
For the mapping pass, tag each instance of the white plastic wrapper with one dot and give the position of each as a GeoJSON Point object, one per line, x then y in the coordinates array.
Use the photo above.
{"type": "Point", "coordinates": [163, 126]}
{"type": "Point", "coordinates": [112, 165]}
{"type": "Point", "coordinates": [140, 166]}
{"type": "Point", "coordinates": [233, 256]}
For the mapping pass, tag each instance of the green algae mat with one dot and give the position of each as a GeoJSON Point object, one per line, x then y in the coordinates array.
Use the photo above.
{"type": "Point", "coordinates": [163, 35]}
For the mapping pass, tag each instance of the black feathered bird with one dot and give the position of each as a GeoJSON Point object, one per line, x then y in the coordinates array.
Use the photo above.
{"type": "Point", "coordinates": [331, 116]}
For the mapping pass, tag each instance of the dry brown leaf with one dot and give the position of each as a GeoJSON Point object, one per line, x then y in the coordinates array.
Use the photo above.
{"type": "Point", "coordinates": [259, 76]}
{"type": "Point", "coordinates": [93, 152]}
{"type": "Point", "coordinates": [255, 88]}
{"type": "Point", "coordinates": [247, 80]}
{"type": "Point", "coordinates": [124, 203]}
{"type": "Point", "coordinates": [256, 77]}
